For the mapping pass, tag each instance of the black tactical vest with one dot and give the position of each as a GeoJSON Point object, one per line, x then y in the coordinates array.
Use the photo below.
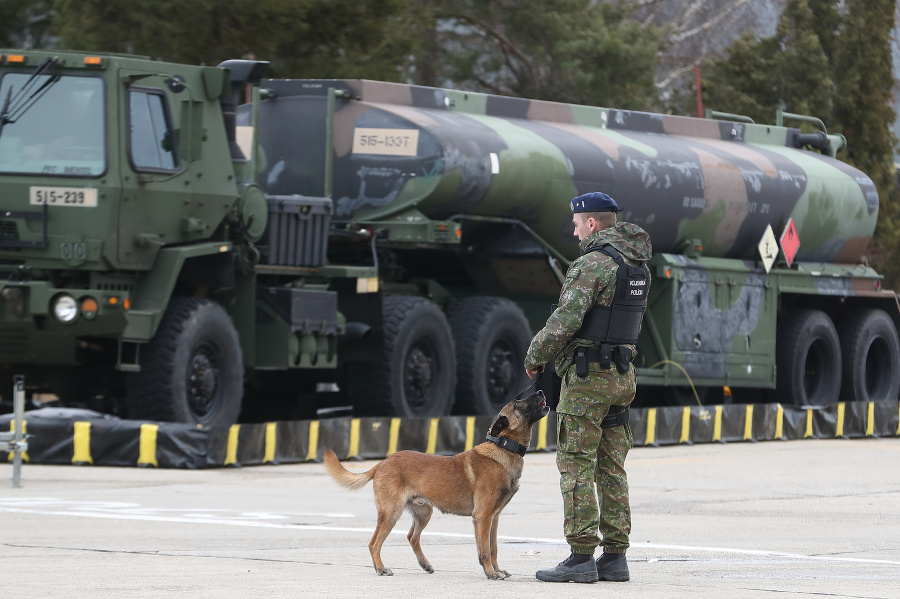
{"type": "Point", "coordinates": [620, 322]}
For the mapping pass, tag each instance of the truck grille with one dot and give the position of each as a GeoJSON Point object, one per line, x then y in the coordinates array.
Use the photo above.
{"type": "Point", "coordinates": [13, 345]}
{"type": "Point", "coordinates": [9, 231]}
{"type": "Point", "coordinates": [120, 287]}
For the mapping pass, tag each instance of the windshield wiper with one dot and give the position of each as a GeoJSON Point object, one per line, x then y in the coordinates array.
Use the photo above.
{"type": "Point", "coordinates": [4, 112]}
{"type": "Point", "coordinates": [15, 106]}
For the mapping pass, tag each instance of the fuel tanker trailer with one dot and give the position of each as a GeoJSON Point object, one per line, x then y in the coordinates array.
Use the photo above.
{"type": "Point", "coordinates": [168, 253]}
{"type": "Point", "coordinates": [461, 201]}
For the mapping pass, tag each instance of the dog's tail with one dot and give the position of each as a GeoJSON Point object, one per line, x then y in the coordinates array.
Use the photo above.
{"type": "Point", "coordinates": [345, 478]}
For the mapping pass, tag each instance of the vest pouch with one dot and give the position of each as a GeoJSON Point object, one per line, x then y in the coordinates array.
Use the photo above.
{"type": "Point", "coordinates": [625, 324]}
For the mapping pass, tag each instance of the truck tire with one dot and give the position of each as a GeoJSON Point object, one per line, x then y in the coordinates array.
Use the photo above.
{"type": "Point", "coordinates": [416, 376]}
{"type": "Point", "coordinates": [870, 356]}
{"type": "Point", "coordinates": [491, 336]}
{"type": "Point", "coordinates": [192, 369]}
{"type": "Point", "coordinates": [808, 359]}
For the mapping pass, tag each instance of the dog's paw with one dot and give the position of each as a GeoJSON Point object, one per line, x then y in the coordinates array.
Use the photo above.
{"type": "Point", "coordinates": [384, 572]}
{"type": "Point", "coordinates": [505, 573]}
{"type": "Point", "coordinates": [427, 567]}
{"type": "Point", "coordinates": [497, 575]}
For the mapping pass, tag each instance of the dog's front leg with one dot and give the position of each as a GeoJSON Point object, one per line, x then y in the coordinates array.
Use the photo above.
{"type": "Point", "coordinates": [495, 522]}
{"type": "Point", "coordinates": [483, 523]}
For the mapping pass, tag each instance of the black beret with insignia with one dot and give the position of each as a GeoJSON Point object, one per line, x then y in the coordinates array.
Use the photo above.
{"type": "Point", "coordinates": [596, 201]}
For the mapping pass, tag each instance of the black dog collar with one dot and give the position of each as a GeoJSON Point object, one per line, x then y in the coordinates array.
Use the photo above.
{"type": "Point", "coordinates": [507, 444]}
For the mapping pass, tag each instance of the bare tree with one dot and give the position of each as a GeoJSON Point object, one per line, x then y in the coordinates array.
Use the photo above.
{"type": "Point", "coordinates": [699, 29]}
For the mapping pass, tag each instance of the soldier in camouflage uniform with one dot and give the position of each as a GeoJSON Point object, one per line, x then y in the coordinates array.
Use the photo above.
{"type": "Point", "coordinates": [589, 454]}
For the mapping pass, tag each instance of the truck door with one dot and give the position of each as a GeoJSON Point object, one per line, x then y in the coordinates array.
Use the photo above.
{"type": "Point", "coordinates": [156, 183]}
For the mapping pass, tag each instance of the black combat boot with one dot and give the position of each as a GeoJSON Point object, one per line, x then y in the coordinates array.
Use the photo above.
{"type": "Point", "coordinates": [612, 567]}
{"type": "Point", "coordinates": [578, 567]}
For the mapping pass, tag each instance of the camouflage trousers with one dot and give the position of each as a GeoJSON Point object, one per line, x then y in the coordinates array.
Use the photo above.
{"type": "Point", "coordinates": [591, 461]}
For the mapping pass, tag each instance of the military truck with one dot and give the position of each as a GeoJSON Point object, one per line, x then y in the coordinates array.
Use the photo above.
{"type": "Point", "coordinates": [200, 244]}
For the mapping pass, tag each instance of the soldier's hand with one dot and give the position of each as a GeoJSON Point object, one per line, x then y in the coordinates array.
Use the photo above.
{"type": "Point", "coordinates": [533, 371]}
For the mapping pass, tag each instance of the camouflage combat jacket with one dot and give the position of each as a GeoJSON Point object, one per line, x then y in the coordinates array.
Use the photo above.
{"type": "Point", "coordinates": [590, 281]}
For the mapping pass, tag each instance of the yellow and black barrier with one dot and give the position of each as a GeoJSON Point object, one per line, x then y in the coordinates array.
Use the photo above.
{"type": "Point", "coordinates": [110, 442]}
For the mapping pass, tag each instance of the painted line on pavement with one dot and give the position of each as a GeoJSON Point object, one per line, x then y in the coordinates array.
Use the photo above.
{"type": "Point", "coordinates": [257, 523]}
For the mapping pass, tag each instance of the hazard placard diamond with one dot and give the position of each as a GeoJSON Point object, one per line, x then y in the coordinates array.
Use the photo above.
{"type": "Point", "coordinates": [768, 248]}
{"type": "Point", "coordinates": [790, 242]}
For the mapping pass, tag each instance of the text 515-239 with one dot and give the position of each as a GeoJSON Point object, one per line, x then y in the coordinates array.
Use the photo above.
{"type": "Point", "coordinates": [63, 196]}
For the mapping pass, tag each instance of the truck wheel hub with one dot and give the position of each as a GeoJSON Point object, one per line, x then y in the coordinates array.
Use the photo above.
{"type": "Point", "coordinates": [418, 372]}
{"type": "Point", "coordinates": [202, 383]}
{"type": "Point", "coordinates": [500, 371]}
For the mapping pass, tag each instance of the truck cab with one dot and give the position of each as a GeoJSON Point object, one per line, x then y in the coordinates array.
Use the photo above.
{"type": "Point", "coordinates": [117, 191]}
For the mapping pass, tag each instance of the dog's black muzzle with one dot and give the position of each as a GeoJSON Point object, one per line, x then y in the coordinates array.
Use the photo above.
{"type": "Point", "coordinates": [536, 406]}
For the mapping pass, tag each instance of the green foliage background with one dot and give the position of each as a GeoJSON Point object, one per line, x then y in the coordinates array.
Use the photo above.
{"type": "Point", "coordinates": [828, 58]}
{"type": "Point", "coordinates": [301, 38]}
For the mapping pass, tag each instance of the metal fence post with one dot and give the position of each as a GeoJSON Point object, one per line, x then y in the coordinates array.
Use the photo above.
{"type": "Point", "coordinates": [19, 437]}
{"type": "Point", "coordinates": [15, 441]}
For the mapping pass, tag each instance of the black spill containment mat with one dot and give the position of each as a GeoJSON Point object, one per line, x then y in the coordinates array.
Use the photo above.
{"type": "Point", "coordinates": [81, 437]}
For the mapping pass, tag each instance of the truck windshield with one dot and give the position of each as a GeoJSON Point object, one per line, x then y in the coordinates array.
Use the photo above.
{"type": "Point", "coordinates": [62, 133]}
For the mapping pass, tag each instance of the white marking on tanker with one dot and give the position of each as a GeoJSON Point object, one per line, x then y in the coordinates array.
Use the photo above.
{"type": "Point", "coordinates": [495, 164]}
{"type": "Point", "coordinates": [386, 142]}
{"type": "Point", "coordinates": [260, 520]}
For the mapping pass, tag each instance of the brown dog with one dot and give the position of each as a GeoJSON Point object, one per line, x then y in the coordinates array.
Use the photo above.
{"type": "Point", "coordinates": [478, 483]}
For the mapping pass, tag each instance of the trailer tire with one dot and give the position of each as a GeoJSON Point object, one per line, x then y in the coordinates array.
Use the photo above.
{"type": "Point", "coordinates": [808, 359]}
{"type": "Point", "coordinates": [196, 342]}
{"type": "Point", "coordinates": [416, 376]}
{"type": "Point", "coordinates": [491, 336]}
{"type": "Point", "coordinates": [871, 357]}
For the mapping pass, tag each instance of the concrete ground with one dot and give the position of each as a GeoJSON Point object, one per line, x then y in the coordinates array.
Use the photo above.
{"type": "Point", "coordinates": [775, 519]}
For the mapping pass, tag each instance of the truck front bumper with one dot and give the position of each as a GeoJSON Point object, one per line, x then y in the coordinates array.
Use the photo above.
{"type": "Point", "coordinates": [40, 323]}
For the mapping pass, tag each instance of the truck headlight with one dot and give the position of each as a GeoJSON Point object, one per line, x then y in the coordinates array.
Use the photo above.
{"type": "Point", "coordinates": [65, 308]}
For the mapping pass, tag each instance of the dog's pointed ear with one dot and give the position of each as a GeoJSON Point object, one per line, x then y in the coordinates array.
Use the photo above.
{"type": "Point", "coordinates": [501, 423]}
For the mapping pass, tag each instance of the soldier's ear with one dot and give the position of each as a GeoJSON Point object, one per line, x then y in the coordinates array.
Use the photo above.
{"type": "Point", "coordinates": [501, 423]}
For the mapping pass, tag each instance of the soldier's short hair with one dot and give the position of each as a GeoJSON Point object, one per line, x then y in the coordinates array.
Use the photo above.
{"type": "Point", "coordinates": [604, 219]}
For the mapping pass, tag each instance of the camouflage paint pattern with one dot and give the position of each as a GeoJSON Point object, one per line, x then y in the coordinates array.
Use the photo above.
{"type": "Point", "coordinates": [407, 153]}
{"type": "Point", "coordinates": [718, 317]}
{"type": "Point", "coordinates": [678, 178]}
{"type": "Point", "coordinates": [709, 314]}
